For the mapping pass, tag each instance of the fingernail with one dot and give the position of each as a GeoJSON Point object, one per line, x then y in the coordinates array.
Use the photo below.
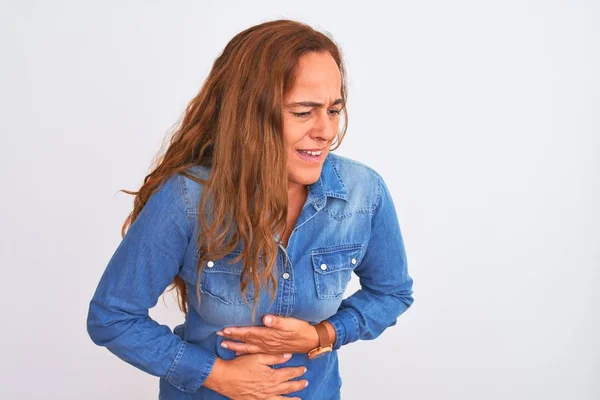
{"type": "Point", "coordinates": [227, 331]}
{"type": "Point", "coordinates": [286, 355]}
{"type": "Point", "coordinates": [268, 320]}
{"type": "Point", "coordinates": [224, 345]}
{"type": "Point", "coordinates": [305, 369]}
{"type": "Point", "coordinates": [306, 384]}
{"type": "Point", "coordinates": [220, 333]}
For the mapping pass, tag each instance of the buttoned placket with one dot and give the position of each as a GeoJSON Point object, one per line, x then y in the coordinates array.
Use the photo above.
{"type": "Point", "coordinates": [286, 298]}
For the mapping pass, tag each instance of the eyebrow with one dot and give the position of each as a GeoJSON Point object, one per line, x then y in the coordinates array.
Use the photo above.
{"type": "Point", "coordinates": [312, 103]}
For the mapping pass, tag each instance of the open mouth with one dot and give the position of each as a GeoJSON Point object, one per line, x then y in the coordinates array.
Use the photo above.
{"type": "Point", "coordinates": [311, 155]}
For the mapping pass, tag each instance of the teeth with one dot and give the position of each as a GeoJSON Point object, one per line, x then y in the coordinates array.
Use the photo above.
{"type": "Point", "coordinates": [313, 153]}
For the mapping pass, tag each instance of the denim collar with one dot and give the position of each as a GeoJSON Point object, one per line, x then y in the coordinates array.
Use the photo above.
{"type": "Point", "coordinates": [330, 184]}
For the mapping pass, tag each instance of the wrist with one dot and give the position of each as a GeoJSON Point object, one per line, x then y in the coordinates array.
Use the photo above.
{"type": "Point", "coordinates": [214, 381]}
{"type": "Point", "coordinates": [313, 339]}
{"type": "Point", "coordinates": [325, 340]}
{"type": "Point", "coordinates": [330, 331]}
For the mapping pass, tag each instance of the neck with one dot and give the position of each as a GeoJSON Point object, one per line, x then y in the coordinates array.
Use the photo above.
{"type": "Point", "coordinates": [297, 193]}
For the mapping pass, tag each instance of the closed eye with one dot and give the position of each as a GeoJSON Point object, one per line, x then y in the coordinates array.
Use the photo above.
{"type": "Point", "coordinates": [301, 114]}
{"type": "Point", "coordinates": [306, 113]}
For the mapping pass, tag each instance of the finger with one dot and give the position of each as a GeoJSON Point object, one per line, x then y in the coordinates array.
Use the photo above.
{"type": "Point", "coordinates": [241, 353]}
{"type": "Point", "coordinates": [245, 334]}
{"type": "Point", "coordinates": [287, 324]}
{"type": "Point", "coordinates": [272, 321]}
{"type": "Point", "coordinates": [290, 386]}
{"type": "Point", "coordinates": [289, 373]}
{"type": "Point", "coordinates": [270, 359]}
{"type": "Point", "coordinates": [242, 347]}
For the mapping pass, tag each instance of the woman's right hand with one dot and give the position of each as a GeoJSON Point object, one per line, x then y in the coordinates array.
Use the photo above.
{"type": "Point", "coordinates": [249, 377]}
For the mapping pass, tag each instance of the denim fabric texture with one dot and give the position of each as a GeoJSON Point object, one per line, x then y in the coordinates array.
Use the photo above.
{"type": "Point", "coordinates": [347, 224]}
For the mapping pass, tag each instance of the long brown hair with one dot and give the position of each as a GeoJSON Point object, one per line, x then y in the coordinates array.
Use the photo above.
{"type": "Point", "coordinates": [234, 126]}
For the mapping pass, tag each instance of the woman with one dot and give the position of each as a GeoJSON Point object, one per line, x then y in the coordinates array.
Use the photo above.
{"type": "Point", "coordinates": [258, 227]}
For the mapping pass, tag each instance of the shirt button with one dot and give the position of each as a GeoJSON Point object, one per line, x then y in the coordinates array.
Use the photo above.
{"type": "Point", "coordinates": [353, 261]}
{"type": "Point", "coordinates": [323, 267]}
{"type": "Point", "coordinates": [210, 264]}
{"type": "Point", "coordinates": [286, 275]}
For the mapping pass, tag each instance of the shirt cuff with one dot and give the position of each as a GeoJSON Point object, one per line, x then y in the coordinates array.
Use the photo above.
{"type": "Point", "coordinates": [345, 326]}
{"type": "Point", "coordinates": [191, 367]}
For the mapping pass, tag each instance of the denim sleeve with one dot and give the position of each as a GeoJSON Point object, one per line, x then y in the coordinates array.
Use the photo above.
{"type": "Point", "coordinates": [386, 287]}
{"type": "Point", "coordinates": [143, 265]}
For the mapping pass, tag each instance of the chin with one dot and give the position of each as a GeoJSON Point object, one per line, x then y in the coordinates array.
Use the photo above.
{"type": "Point", "coordinates": [306, 179]}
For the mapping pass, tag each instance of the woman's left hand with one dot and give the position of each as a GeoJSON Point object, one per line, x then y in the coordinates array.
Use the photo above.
{"type": "Point", "coordinates": [279, 335]}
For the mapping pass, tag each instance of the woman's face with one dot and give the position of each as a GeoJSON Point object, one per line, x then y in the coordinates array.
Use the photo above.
{"type": "Point", "coordinates": [311, 117]}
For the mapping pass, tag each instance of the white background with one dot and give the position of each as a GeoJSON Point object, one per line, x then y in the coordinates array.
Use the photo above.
{"type": "Point", "coordinates": [482, 117]}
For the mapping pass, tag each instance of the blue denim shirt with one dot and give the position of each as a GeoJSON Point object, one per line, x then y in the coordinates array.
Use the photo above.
{"type": "Point", "coordinates": [347, 224]}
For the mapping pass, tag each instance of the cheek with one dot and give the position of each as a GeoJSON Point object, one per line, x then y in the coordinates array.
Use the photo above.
{"type": "Point", "coordinates": [292, 135]}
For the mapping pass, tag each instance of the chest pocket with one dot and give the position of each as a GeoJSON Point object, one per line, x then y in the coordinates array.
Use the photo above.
{"type": "Point", "coordinates": [333, 268]}
{"type": "Point", "coordinates": [221, 280]}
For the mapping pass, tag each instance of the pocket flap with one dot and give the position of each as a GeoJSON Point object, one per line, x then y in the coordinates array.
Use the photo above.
{"type": "Point", "coordinates": [189, 271]}
{"type": "Point", "coordinates": [225, 265]}
{"type": "Point", "coordinates": [335, 258]}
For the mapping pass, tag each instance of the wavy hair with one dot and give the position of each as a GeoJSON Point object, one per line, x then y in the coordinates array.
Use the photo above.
{"type": "Point", "coordinates": [234, 126]}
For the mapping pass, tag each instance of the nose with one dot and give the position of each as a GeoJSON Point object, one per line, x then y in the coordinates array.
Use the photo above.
{"type": "Point", "coordinates": [324, 128]}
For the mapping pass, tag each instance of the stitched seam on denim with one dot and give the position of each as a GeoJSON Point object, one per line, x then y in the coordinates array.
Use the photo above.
{"type": "Point", "coordinates": [235, 302]}
{"type": "Point", "coordinates": [379, 191]}
{"type": "Point", "coordinates": [335, 195]}
{"type": "Point", "coordinates": [336, 248]}
{"type": "Point", "coordinates": [336, 172]}
{"type": "Point", "coordinates": [355, 323]}
{"type": "Point", "coordinates": [176, 363]}
{"type": "Point", "coordinates": [205, 371]}
{"type": "Point", "coordinates": [279, 293]}
{"type": "Point", "coordinates": [222, 266]}
{"type": "Point", "coordinates": [328, 296]}
{"type": "Point", "coordinates": [339, 217]}
{"type": "Point", "coordinates": [338, 332]}
{"type": "Point", "coordinates": [311, 216]}
{"type": "Point", "coordinates": [347, 248]}
{"type": "Point", "coordinates": [184, 198]}
{"type": "Point", "coordinates": [351, 314]}
{"type": "Point", "coordinates": [322, 287]}
{"type": "Point", "coordinates": [292, 304]}
{"type": "Point", "coordinates": [342, 159]}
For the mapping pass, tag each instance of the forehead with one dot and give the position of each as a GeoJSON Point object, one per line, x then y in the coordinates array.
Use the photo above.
{"type": "Point", "coordinates": [317, 77]}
